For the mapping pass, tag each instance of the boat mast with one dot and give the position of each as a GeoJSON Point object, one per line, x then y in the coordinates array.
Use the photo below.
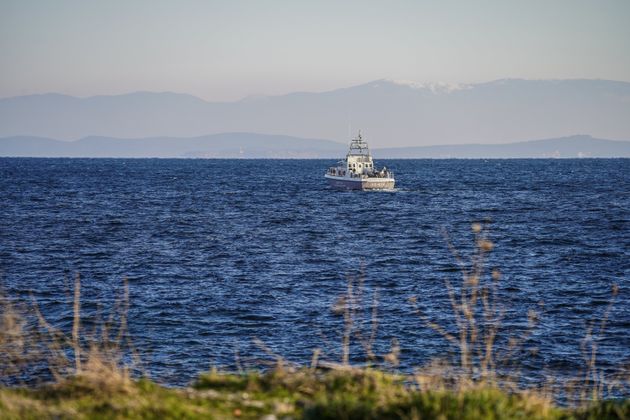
{"type": "Point", "coordinates": [358, 146]}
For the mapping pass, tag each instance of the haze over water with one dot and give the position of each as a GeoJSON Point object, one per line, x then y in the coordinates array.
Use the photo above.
{"type": "Point", "coordinates": [218, 252]}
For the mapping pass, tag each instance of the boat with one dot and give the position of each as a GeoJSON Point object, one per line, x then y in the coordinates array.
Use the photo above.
{"type": "Point", "coordinates": [357, 170]}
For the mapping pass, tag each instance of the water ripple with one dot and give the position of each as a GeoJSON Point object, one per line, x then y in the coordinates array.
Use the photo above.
{"type": "Point", "coordinates": [218, 252]}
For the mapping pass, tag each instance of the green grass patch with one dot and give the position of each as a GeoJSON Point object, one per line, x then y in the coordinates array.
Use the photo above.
{"type": "Point", "coordinates": [333, 394]}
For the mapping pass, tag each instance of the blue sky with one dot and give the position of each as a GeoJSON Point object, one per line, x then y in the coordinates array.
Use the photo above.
{"type": "Point", "coordinates": [226, 50]}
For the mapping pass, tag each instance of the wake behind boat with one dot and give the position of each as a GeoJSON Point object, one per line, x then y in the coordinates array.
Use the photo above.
{"type": "Point", "coordinates": [357, 171]}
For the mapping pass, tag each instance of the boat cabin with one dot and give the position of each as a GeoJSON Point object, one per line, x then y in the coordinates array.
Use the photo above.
{"type": "Point", "coordinates": [358, 163]}
{"type": "Point", "coordinates": [358, 160]}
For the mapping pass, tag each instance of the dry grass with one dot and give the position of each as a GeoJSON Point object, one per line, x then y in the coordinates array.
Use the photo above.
{"type": "Point", "coordinates": [28, 339]}
{"type": "Point", "coordinates": [14, 339]}
{"type": "Point", "coordinates": [478, 316]}
{"type": "Point", "coordinates": [592, 383]}
{"type": "Point", "coordinates": [359, 312]}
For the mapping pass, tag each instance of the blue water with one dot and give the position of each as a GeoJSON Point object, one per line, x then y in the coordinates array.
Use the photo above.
{"type": "Point", "coordinates": [218, 252]}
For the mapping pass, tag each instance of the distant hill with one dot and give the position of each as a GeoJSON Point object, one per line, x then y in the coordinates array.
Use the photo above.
{"type": "Point", "coordinates": [227, 145]}
{"type": "Point", "coordinates": [564, 147]}
{"type": "Point", "coordinates": [250, 145]}
{"type": "Point", "coordinates": [391, 113]}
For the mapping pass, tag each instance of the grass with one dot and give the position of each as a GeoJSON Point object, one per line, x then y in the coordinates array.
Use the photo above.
{"type": "Point", "coordinates": [90, 370]}
{"type": "Point", "coordinates": [281, 393]}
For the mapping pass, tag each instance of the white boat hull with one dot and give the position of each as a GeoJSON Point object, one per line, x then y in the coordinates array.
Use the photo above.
{"type": "Point", "coordinates": [369, 183]}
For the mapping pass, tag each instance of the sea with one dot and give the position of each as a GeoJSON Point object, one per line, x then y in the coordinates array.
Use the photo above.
{"type": "Point", "coordinates": [237, 263]}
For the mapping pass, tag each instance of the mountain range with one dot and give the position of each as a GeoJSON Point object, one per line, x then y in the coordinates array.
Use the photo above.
{"type": "Point", "coordinates": [391, 113]}
{"type": "Point", "coordinates": [249, 145]}
{"type": "Point", "coordinates": [227, 145]}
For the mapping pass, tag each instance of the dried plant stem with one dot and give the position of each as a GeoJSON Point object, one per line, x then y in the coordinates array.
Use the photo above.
{"type": "Point", "coordinates": [347, 324]}
{"type": "Point", "coordinates": [476, 312]}
{"type": "Point", "coordinates": [76, 324]}
{"type": "Point", "coordinates": [594, 380]}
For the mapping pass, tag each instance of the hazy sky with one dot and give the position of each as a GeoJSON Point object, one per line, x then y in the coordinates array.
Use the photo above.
{"type": "Point", "coordinates": [225, 50]}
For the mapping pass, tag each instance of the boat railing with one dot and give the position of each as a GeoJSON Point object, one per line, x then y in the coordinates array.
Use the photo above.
{"type": "Point", "coordinates": [336, 172]}
{"type": "Point", "coordinates": [373, 174]}
{"type": "Point", "coordinates": [383, 174]}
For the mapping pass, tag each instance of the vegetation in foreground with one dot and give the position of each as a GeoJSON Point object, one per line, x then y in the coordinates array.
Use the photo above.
{"type": "Point", "coordinates": [92, 379]}
{"type": "Point", "coordinates": [282, 393]}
